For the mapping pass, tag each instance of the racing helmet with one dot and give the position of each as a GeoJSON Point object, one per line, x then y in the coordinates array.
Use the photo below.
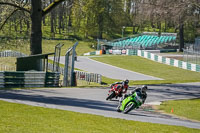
{"type": "Point", "coordinates": [126, 82]}
{"type": "Point", "coordinates": [144, 88]}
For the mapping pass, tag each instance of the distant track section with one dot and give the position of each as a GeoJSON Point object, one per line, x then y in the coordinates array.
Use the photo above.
{"type": "Point", "coordinates": [89, 65]}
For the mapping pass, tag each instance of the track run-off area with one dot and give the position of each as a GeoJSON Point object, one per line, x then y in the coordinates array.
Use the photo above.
{"type": "Point", "coordinates": [93, 100]}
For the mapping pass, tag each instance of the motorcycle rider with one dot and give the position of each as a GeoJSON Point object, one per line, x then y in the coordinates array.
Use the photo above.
{"type": "Point", "coordinates": [123, 85]}
{"type": "Point", "coordinates": [141, 92]}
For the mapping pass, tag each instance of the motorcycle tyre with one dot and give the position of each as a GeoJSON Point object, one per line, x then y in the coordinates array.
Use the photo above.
{"type": "Point", "coordinates": [111, 96]}
{"type": "Point", "coordinates": [129, 108]}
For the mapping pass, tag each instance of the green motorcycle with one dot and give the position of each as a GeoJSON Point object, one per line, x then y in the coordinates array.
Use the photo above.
{"type": "Point", "coordinates": [131, 102]}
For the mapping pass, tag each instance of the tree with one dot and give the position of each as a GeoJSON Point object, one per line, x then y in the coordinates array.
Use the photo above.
{"type": "Point", "coordinates": [36, 14]}
{"type": "Point", "coordinates": [98, 17]}
{"type": "Point", "coordinates": [178, 11]}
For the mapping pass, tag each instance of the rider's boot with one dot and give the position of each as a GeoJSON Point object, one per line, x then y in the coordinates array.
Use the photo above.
{"type": "Point", "coordinates": [118, 108]}
{"type": "Point", "coordinates": [120, 103]}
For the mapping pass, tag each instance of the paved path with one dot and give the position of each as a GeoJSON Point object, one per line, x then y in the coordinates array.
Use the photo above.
{"type": "Point", "coordinates": [92, 101]}
{"type": "Point", "coordinates": [89, 65]}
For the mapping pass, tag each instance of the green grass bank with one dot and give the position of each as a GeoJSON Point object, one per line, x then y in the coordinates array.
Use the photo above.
{"type": "Point", "coordinates": [188, 109]}
{"type": "Point", "coordinates": [170, 74]}
{"type": "Point", "coordinates": [21, 118]}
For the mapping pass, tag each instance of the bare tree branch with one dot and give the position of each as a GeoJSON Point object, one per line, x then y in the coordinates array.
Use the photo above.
{"type": "Point", "coordinates": [195, 4]}
{"type": "Point", "coordinates": [8, 18]}
{"type": "Point", "coordinates": [51, 6]}
{"type": "Point", "coordinates": [14, 5]}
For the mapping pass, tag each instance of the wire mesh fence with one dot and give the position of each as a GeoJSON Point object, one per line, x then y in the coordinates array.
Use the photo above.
{"type": "Point", "coordinates": [80, 75]}
{"type": "Point", "coordinates": [57, 57]}
{"type": "Point", "coordinates": [192, 53]}
{"type": "Point", "coordinates": [7, 54]}
{"type": "Point", "coordinates": [69, 74]}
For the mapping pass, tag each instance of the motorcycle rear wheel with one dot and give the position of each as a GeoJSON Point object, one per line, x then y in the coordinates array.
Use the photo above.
{"type": "Point", "coordinates": [129, 107]}
{"type": "Point", "coordinates": [111, 96]}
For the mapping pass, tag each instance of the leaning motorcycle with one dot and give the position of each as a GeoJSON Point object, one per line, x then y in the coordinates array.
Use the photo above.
{"type": "Point", "coordinates": [131, 102]}
{"type": "Point", "coordinates": [114, 92]}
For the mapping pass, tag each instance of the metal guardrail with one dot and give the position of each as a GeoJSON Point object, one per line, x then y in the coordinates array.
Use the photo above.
{"type": "Point", "coordinates": [10, 53]}
{"type": "Point", "coordinates": [29, 79]}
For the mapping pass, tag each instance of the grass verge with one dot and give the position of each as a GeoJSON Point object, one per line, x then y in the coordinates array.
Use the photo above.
{"type": "Point", "coordinates": [185, 108]}
{"type": "Point", "coordinates": [24, 118]}
{"type": "Point", "coordinates": [170, 74]}
{"type": "Point", "coordinates": [8, 61]}
{"type": "Point", "coordinates": [48, 46]}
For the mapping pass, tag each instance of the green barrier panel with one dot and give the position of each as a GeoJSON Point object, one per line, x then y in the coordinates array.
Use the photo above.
{"type": "Point", "coordinates": [198, 68]}
{"type": "Point", "coordinates": [172, 62]}
{"type": "Point", "coordinates": [189, 66]}
{"type": "Point", "coordinates": [155, 57]}
{"type": "Point", "coordinates": [180, 64]}
{"type": "Point", "coordinates": [142, 53]}
{"type": "Point", "coordinates": [93, 53]}
{"type": "Point", "coordinates": [148, 55]}
{"type": "Point", "coordinates": [163, 60]}
{"type": "Point", "coordinates": [132, 52]}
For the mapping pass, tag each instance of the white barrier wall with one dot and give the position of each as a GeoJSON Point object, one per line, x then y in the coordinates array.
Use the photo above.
{"type": "Point", "coordinates": [160, 59]}
{"type": "Point", "coordinates": [169, 61]}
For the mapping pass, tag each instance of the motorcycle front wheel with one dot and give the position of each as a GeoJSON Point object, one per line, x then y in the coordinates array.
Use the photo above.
{"type": "Point", "coordinates": [110, 96]}
{"type": "Point", "coordinates": [129, 107]}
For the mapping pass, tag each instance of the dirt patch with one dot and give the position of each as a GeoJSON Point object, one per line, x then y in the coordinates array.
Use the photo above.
{"type": "Point", "coordinates": [175, 57]}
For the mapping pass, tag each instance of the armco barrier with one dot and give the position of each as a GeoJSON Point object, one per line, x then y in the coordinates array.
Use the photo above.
{"type": "Point", "coordinates": [169, 61]}
{"type": "Point", "coordinates": [29, 79]}
{"type": "Point", "coordinates": [89, 77]}
{"type": "Point", "coordinates": [1, 80]}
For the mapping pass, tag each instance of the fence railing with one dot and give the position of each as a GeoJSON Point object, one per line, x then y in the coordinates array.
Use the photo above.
{"type": "Point", "coordinates": [86, 76]}
{"type": "Point", "coordinates": [29, 79]}
{"type": "Point", "coordinates": [192, 55]}
{"type": "Point", "coordinates": [7, 68]}
{"type": "Point", "coordinates": [10, 53]}
{"type": "Point", "coordinates": [60, 69]}
{"type": "Point", "coordinates": [89, 77]}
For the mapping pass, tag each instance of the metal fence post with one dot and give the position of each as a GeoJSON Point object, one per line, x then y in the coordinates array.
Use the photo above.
{"type": "Point", "coordinates": [69, 76]}
{"type": "Point", "coordinates": [56, 60]}
{"type": "Point", "coordinates": [65, 79]}
{"type": "Point", "coordinates": [72, 70]}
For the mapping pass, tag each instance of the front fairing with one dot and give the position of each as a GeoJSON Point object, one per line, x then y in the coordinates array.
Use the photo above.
{"type": "Point", "coordinates": [116, 88]}
{"type": "Point", "coordinates": [125, 101]}
{"type": "Point", "coordinates": [133, 98]}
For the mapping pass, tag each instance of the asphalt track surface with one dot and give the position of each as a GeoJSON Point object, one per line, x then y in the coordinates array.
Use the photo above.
{"type": "Point", "coordinates": [92, 101]}
{"type": "Point", "coordinates": [89, 65]}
